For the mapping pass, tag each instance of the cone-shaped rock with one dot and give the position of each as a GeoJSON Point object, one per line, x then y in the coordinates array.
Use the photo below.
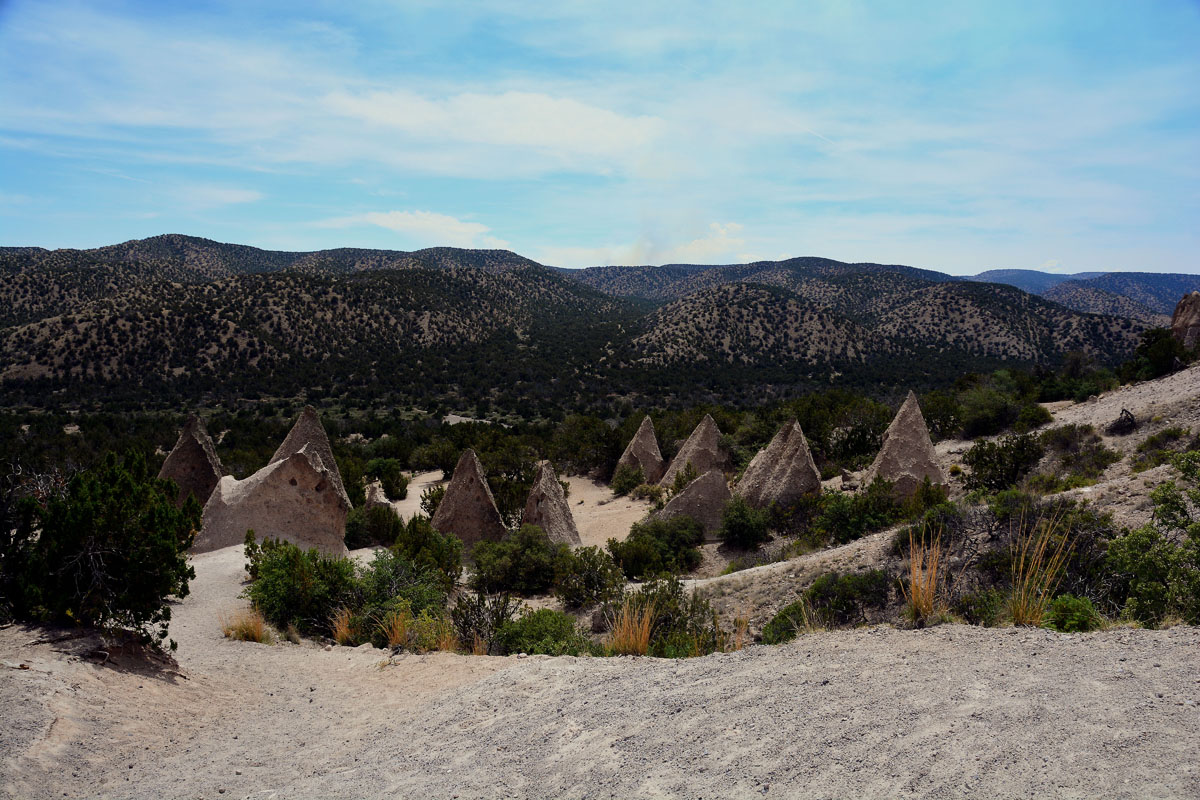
{"type": "Point", "coordinates": [193, 463]}
{"type": "Point", "coordinates": [308, 432]}
{"type": "Point", "coordinates": [643, 452]}
{"type": "Point", "coordinates": [703, 500]}
{"type": "Point", "coordinates": [547, 508]}
{"type": "Point", "coordinates": [294, 499]}
{"type": "Point", "coordinates": [1185, 322]}
{"type": "Point", "coordinates": [783, 472]}
{"type": "Point", "coordinates": [702, 449]}
{"type": "Point", "coordinates": [907, 457]}
{"type": "Point", "coordinates": [468, 509]}
{"type": "Point", "coordinates": [376, 496]}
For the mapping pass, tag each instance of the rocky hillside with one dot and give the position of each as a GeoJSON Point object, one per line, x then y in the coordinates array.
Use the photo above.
{"type": "Point", "coordinates": [1084, 297]}
{"type": "Point", "coordinates": [1159, 292]}
{"type": "Point", "coordinates": [177, 317]}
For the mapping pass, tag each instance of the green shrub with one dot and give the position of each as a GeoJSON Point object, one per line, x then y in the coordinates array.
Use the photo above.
{"type": "Point", "coordinates": [845, 599]}
{"type": "Point", "coordinates": [477, 619]}
{"type": "Point", "coordinates": [302, 588]}
{"type": "Point", "coordinates": [685, 624]}
{"type": "Point", "coordinates": [649, 491]}
{"type": "Point", "coordinates": [419, 542]}
{"type": "Point", "coordinates": [587, 577]}
{"type": "Point", "coordinates": [999, 465]}
{"type": "Point", "coordinates": [985, 607]}
{"type": "Point", "coordinates": [544, 631]}
{"type": "Point", "coordinates": [390, 473]}
{"type": "Point", "coordinates": [1080, 457]}
{"type": "Point", "coordinates": [657, 546]}
{"type": "Point", "coordinates": [743, 526]}
{"type": "Point", "coordinates": [1070, 614]}
{"type": "Point", "coordinates": [1032, 415]}
{"type": "Point", "coordinates": [626, 479]}
{"type": "Point", "coordinates": [369, 527]}
{"type": "Point", "coordinates": [1159, 448]}
{"type": "Point", "coordinates": [524, 563]}
{"type": "Point", "coordinates": [845, 517]}
{"type": "Point", "coordinates": [986, 412]}
{"type": "Point", "coordinates": [683, 477]}
{"type": "Point", "coordinates": [431, 498]}
{"type": "Point", "coordinates": [791, 620]}
{"type": "Point", "coordinates": [107, 552]}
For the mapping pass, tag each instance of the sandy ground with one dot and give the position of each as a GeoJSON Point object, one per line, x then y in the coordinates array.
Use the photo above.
{"type": "Point", "coordinates": [410, 506]}
{"type": "Point", "coordinates": [599, 515]}
{"type": "Point", "coordinates": [950, 712]}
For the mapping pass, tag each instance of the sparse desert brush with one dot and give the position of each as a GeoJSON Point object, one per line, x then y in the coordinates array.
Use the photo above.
{"type": "Point", "coordinates": [797, 617]}
{"type": "Point", "coordinates": [292, 634]}
{"type": "Point", "coordinates": [1039, 556]}
{"type": "Point", "coordinates": [479, 646]}
{"type": "Point", "coordinates": [246, 625]}
{"type": "Point", "coordinates": [631, 628]}
{"type": "Point", "coordinates": [433, 632]}
{"type": "Point", "coordinates": [923, 592]}
{"type": "Point", "coordinates": [341, 625]}
{"type": "Point", "coordinates": [741, 628]}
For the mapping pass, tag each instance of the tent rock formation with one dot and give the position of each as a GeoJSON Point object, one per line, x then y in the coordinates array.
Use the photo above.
{"type": "Point", "coordinates": [376, 496]}
{"type": "Point", "coordinates": [642, 452]}
{"type": "Point", "coordinates": [907, 456]}
{"type": "Point", "coordinates": [703, 500]}
{"type": "Point", "coordinates": [468, 509]}
{"type": "Point", "coordinates": [193, 463]}
{"type": "Point", "coordinates": [298, 497]}
{"type": "Point", "coordinates": [547, 508]}
{"type": "Point", "coordinates": [782, 473]}
{"type": "Point", "coordinates": [1185, 322]}
{"type": "Point", "coordinates": [702, 450]}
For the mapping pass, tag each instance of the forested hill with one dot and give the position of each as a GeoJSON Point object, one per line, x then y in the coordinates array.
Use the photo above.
{"type": "Point", "coordinates": [177, 319]}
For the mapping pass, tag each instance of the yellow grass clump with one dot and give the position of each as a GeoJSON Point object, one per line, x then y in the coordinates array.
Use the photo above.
{"type": "Point", "coordinates": [923, 592]}
{"type": "Point", "coordinates": [246, 625]}
{"type": "Point", "coordinates": [395, 627]}
{"type": "Point", "coordinates": [341, 625]}
{"type": "Point", "coordinates": [1039, 556]}
{"type": "Point", "coordinates": [631, 628]}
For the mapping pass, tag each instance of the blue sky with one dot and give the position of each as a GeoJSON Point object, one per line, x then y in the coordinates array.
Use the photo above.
{"type": "Point", "coordinates": [955, 136]}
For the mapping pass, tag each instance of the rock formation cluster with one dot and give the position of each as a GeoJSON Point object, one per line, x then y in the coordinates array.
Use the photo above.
{"type": "Point", "coordinates": [547, 508]}
{"type": "Point", "coordinates": [782, 473]}
{"type": "Point", "coordinates": [907, 457]}
{"type": "Point", "coordinates": [702, 450]}
{"type": "Point", "coordinates": [1185, 322]}
{"type": "Point", "coordinates": [193, 463]}
{"type": "Point", "coordinates": [642, 452]}
{"type": "Point", "coordinates": [297, 497]}
{"type": "Point", "coordinates": [468, 509]}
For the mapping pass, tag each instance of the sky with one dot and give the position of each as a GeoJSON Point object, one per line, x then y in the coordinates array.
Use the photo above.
{"type": "Point", "coordinates": [958, 136]}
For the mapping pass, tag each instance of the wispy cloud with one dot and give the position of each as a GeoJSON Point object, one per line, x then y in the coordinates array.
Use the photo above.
{"type": "Point", "coordinates": [425, 228]}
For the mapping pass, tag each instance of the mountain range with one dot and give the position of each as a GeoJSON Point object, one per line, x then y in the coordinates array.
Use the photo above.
{"type": "Point", "coordinates": [182, 319]}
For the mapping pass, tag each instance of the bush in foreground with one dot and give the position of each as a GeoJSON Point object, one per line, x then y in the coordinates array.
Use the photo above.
{"type": "Point", "coordinates": [524, 563]}
{"type": "Point", "coordinates": [657, 546]}
{"type": "Point", "coordinates": [544, 631]}
{"type": "Point", "coordinates": [588, 577]}
{"type": "Point", "coordinates": [626, 479]}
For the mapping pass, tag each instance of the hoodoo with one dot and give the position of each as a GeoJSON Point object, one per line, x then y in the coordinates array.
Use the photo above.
{"type": "Point", "coordinates": [703, 500]}
{"type": "Point", "coordinates": [468, 509]}
{"type": "Point", "coordinates": [193, 462]}
{"type": "Point", "coordinates": [547, 508]}
{"type": "Point", "coordinates": [702, 450]}
{"type": "Point", "coordinates": [298, 497]}
{"type": "Point", "coordinates": [781, 473]}
{"type": "Point", "coordinates": [1185, 322]}
{"type": "Point", "coordinates": [907, 457]}
{"type": "Point", "coordinates": [643, 452]}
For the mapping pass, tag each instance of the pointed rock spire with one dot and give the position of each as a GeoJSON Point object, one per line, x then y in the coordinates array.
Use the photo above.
{"type": "Point", "coordinates": [547, 508]}
{"type": "Point", "coordinates": [703, 500]}
{"type": "Point", "coordinates": [376, 496]}
{"type": "Point", "coordinates": [782, 472]}
{"type": "Point", "coordinates": [643, 452]}
{"type": "Point", "coordinates": [907, 457]}
{"type": "Point", "coordinates": [702, 450]}
{"type": "Point", "coordinates": [468, 509]}
{"type": "Point", "coordinates": [308, 432]}
{"type": "Point", "coordinates": [193, 463]}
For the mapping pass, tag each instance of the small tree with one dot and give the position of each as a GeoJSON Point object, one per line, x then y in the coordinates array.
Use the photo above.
{"type": "Point", "coordinates": [742, 525]}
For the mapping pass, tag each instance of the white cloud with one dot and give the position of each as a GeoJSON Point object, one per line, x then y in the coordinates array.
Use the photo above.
{"type": "Point", "coordinates": [208, 196]}
{"type": "Point", "coordinates": [718, 245]}
{"type": "Point", "coordinates": [426, 228]}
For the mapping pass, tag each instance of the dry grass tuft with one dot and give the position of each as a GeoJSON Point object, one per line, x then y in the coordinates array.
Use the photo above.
{"type": "Point", "coordinates": [340, 625]}
{"type": "Point", "coordinates": [923, 593]}
{"type": "Point", "coordinates": [292, 634]}
{"type": "Point", "coordinates": [246, 625]}
{"type": "Point", "coordinates": [1039, 557]}
{"type": "Point", "coordinates": [395, 627]}
{"type": "Point", "coordinates": [479, 647]}
{"type": "Point", "coordinates": [631, 628]}
{"type": "Point", "coordinates": [741, 627]}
